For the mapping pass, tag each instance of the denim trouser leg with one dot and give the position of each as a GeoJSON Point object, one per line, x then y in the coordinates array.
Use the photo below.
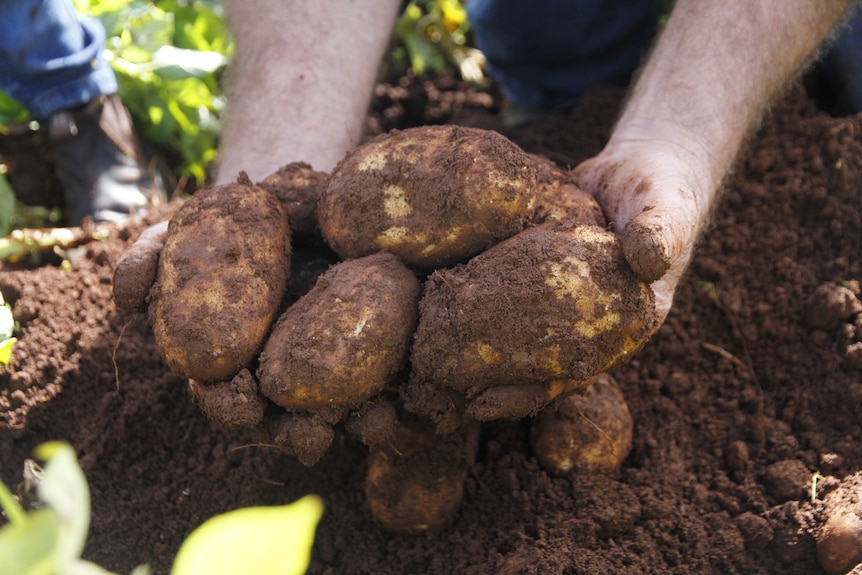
{"type": "Point", "coordinates": [549, 52]}
{"type": "Point", "coordinates": [841, 66]}
{"type": "Point", "coordinates": [50, 57]}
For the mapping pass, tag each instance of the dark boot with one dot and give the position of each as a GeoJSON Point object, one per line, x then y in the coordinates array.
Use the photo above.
{"type": "Point", "coordinates": [100, 163]}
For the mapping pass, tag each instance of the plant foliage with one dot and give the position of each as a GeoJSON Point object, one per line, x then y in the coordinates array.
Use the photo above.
{"type": "Point", "coordinates": [49, 539]}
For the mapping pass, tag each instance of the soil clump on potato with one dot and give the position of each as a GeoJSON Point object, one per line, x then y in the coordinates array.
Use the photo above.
{"type": "Point", "coordinates": [735, 381]}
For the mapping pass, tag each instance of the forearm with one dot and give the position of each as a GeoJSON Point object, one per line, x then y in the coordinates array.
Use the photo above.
{"type": "Point", "coordinates": [715, 67]}
{"type": "Point", "coordinates": [300, 82]}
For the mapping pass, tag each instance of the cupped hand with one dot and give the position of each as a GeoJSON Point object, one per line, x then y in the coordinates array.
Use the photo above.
{"type": "Point", "coordinates": [657, 199]}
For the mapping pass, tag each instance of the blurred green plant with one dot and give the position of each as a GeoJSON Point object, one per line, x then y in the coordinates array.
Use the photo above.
{"type": "Point", "coordinates": [46, 533]}
{"type": "Point", "coordinates": [8, 327]}
{"type": "Point", "coordinates": [434, 37]}
{"type": "Point", "coordinates": [167, 55]}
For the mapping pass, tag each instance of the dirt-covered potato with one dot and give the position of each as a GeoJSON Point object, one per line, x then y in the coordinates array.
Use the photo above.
{"type": "Point", "coordinates": [559, 199]}
{"type": "Point", "coordinates": [345, 340]}
{"type": "Point", "coordinates": [298, 188]}
{"type": "Point", "coordinates": [555, 305]}
{"type": "Point", "coordinates": [415, 483]}
{"type": "Point", "coordinates": [433, 196]}
{"type": "Point", "coordinates": [839, 538]}
{"type": "Point", "coordinates": [588, 432]}
{"type": "Point", "coordinates": [221, 277]}
{"type": "Point", "coordinates": [232, 404]}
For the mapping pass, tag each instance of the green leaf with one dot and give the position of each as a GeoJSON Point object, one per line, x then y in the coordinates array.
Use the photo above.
{"type": "Point", "coordinates": [28, 547]}
{"type": "Point", "coordinates": [259, 540]}
{"type": "Point", "coordinates": [178, 63]}
{"type": "Point", "coordinates": [7, 328]}
{"type": "Point", "coordinates": [11, 111]}
{"type": "Point", "coordinates": [7, 206]}
{"type": "Point", "coordinates": [6, 352]}
{"type": "Point", "coordinates": [64, 489]}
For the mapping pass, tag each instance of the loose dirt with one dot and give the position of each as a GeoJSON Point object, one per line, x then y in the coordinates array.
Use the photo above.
{"type": "Point", "coordinates": [737, 401]}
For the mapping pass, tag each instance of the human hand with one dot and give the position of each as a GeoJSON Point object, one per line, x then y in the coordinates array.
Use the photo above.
{"type": "Point", "coordinates": [657, 200]}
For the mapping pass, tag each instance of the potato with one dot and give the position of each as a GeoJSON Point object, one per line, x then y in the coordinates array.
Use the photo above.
{"type": "Point", "coordinates": [416, 482]}
{"type": "Point", "coordinates": [588, 432]}
{"type": "Point", "coordinates": [433, 196]}
{"type": "Point", "coordinates": [555, 305]}
{"type": "Point", "coordinates": [232, 404]}
{"type": "Point", "coordinates": [559, 199]}
{"type": "Point", "coordinates": [298, 188]}
{"type": "Point", "coordinates": [345, 340]}
{"type": "Point", "coordinates": [221, 277]}
{"type": "Point", "coordinates": [839, 538]}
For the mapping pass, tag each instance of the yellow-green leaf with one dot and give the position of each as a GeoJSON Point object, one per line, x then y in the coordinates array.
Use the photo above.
{"type": "Point", "coordinates": [259, 540]}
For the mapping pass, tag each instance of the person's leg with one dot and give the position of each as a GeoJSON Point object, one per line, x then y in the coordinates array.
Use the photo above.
{"type": "Point", "coordinates": [836, 80]}
{"type": "Point", "coordinates": [549, 53]}
{"type": "Point", "coordinates": [51, 60]}
{"type": "Point", "coordinates": [300, 82]}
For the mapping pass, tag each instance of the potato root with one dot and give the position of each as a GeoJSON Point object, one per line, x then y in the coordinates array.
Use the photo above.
{"type": "Point", "coordinates": [345, 340]}
{"type": "Point", "coordinates": [433, 196]}
{"type": "Point", "coordinates": [555, 305]}
{"type": "Point", "coordinates": [219, 286]}
{"type": "Point", "coordinates": [839, 538]}
{"type": "Point", "coordinates": [415, 483]}
{"type": "Point", "coordinates": [589, 432]}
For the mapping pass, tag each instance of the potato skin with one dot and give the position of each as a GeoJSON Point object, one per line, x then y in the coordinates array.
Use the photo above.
{"type": "Point", "coordinates": [345, 340]}
{"type": "Point", "coordinates": [415, 483]}
{"type": "Point", "coordinates": [589, 432]}
{"type": "Point", "coordinates": [555, 303]}
{"type": "Point", "coordinates": [221, 278]}
{"type": "Point", "coordinates": [433, 196]}
{"type": "Point", "coordinates": [559, 199]}
{"type": "Point", "coordinates": [839, 538]}
{"type": "Point", "coordinates": [298, 188]}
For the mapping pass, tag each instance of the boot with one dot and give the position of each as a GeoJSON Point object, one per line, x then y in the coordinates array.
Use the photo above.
{"type": "Point", "coordinates": [100, 163]}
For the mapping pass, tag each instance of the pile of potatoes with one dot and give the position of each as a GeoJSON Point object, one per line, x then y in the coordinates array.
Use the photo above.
{"type": "Point", "coordinates": [474, 282]}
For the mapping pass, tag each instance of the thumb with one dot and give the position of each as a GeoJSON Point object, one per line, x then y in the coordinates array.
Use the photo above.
{"type": "Point", "coordinates": [136, 269]}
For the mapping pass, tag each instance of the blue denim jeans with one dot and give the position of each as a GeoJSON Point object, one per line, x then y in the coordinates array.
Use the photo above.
{"type": "Point", "coordinates": [550, 52]}
{"type": "Point", "coordinates": [50, 57]}
{"type": "Point", "coordinates": [547, 53]}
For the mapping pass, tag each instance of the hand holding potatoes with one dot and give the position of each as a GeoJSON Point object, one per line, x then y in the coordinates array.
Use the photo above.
{"type": "Point", "coordinates": [526, 295]}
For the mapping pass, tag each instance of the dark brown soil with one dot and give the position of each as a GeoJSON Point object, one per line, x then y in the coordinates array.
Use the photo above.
{"type": "Point", "coordinates": [737, 401]}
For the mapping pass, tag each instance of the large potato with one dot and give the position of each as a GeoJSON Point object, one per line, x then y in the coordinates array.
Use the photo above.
{"type": "Point", "coordinates": [220, 281]}
{"type": "Point", "coordinates": [345, 340]}
{"type": "Point", "coordinates": [554, 305]}
{"type": "Point", "coordinates": [433, 196]}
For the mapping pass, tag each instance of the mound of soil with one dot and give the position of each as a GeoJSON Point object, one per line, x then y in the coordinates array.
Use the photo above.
{"type": "Point", "coordinates": [742, 396]}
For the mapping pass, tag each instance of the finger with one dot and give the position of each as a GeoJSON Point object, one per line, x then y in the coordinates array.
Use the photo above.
{"type": "Point", "coordinates": [136, 269]}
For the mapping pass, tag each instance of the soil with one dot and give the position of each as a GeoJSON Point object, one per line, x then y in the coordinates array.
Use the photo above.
{"type": "Point", "coordinates": [750, 388]}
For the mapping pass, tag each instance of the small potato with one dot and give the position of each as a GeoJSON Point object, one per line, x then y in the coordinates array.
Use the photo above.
{"type": "Point", "coordinates": [298, 187]}
{"type": "Point", "coordinates": [590, 432]}
{"type": "Point", "coordinates": [232, 404]}
{"type": "Point", "coordinates": [433, 196]}
{"type": "Point", "coordinates": [345, 340]}
{"type": "Point", "coordinates": [558, 199]}
{"type": "Point", "coordinates": [839, 538]}
{"type": "Point", "coordinates": [220, 280]}
{"type": "Point", "coordinates": [415, 483]}
{"type": "Point", "coordinates": [555, 304]}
